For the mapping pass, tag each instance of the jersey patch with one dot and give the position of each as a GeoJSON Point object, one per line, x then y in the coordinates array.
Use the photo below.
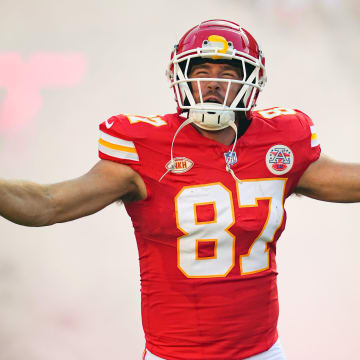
{"type": "Point", "coordinates": [279, 159]}
{"type": "Point", "coordinates": [230, 157]}
{"type": "Point", "coordinates": [179, 165]}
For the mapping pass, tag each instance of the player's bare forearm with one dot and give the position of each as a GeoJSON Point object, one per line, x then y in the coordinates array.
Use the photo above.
{"type": "Point", "coordinates": [31, 204]}
{"type": "Point", "coordinates": [330, 180]}
{"type": "Point", "coordinates": [25, 203]}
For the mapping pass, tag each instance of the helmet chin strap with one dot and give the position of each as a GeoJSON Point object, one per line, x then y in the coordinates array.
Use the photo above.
{"type": "Point", "coordinates": [191, 119]}
{"type": "Point", "coordinates": [171, 166]}
{"type": "Point", "coordinates": [228, 166]}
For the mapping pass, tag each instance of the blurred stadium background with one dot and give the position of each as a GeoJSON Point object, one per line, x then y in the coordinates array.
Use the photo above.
{"type": "Point", "coordinates": [72, 291]}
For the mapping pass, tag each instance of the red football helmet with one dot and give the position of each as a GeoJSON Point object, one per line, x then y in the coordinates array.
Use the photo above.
{"type": "Point", "coordinates": [217, 40]}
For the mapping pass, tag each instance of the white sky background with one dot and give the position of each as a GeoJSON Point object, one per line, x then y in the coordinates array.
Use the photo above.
{"type": "Point", "coordinates": [72, 291]}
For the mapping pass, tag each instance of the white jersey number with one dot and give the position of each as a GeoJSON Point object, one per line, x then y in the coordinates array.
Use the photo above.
{"type": "Point", "coordinates": [186, 201]}
{"type": "Point", "coordinates": [271, 113]}
{"type": "Point", "coordinates": [216, 231]}
{"type": "Point", "coordinates": [155, 120]}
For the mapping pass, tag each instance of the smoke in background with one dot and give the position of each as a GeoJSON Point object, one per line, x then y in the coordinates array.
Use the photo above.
{"type": "Point", "coordinates": [72, 291]}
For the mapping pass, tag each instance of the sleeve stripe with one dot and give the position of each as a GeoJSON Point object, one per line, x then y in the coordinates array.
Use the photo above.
{"type": "Point", "coordinates": [117, 147]}
{"type": "Point", "coordinates": [118, 154]}
{"type": "Point", "coordinates": [314, 137]}
{"type": "Point", "coordinates": [116, 141]}
{"type": "Point", "coordinates": [315, 142]}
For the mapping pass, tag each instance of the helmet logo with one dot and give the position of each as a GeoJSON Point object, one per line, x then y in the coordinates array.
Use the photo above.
{"type": "Point", "coordinates": [218, 43]}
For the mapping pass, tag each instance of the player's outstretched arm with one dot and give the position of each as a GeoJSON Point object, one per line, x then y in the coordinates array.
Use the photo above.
{"type": "Point", "coordinates": [31, 204]}
{"type": "Point", "coordinates": [330, 180]}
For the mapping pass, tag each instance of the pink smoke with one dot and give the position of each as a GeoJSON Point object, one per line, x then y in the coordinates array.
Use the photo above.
{"type": "Point", "coordinates": [23, 81]}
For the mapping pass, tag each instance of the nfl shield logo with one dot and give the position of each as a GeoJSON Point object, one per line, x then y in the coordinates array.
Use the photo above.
{"type": "Point", "coordinates": [230, 157]}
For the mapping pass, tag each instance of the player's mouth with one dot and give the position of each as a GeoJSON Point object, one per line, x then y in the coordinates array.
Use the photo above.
{"type": "Point", "coordinates": [213, 99]}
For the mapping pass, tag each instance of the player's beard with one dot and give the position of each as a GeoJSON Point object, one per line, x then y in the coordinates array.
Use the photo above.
{"type": "Point", "coordinates": [242, 122]}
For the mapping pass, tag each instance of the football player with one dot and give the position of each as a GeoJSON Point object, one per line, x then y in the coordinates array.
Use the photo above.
{"type": "Point", "coordinates": [205, 189]}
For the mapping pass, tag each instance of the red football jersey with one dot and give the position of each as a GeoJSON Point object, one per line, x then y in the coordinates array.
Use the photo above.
{"type": "Point", "coordinates": [207, 242]}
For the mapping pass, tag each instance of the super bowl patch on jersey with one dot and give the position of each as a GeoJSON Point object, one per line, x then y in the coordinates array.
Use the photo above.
{"type": "Point", "coordinates": [179, 165]}
{"type": "Point", "coordinates": [279, 159]}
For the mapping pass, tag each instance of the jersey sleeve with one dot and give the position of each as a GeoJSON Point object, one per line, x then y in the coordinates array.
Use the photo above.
{"type": "Point", "coordinates": [116, 141]}
{"type": "Point", "coordinates": [313, 143]}
{"type": "Point", "coordinates": [306, 144]}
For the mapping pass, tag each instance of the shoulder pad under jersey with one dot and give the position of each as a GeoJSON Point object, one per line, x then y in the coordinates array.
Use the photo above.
{"type": "Point", "coordinates": [296, 123]}
{"type": "Point", "coordinates": [120, 134]}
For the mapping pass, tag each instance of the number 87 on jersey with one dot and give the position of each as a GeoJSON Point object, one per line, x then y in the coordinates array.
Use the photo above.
{"type": "Point", "coordinates": [216, 231]}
